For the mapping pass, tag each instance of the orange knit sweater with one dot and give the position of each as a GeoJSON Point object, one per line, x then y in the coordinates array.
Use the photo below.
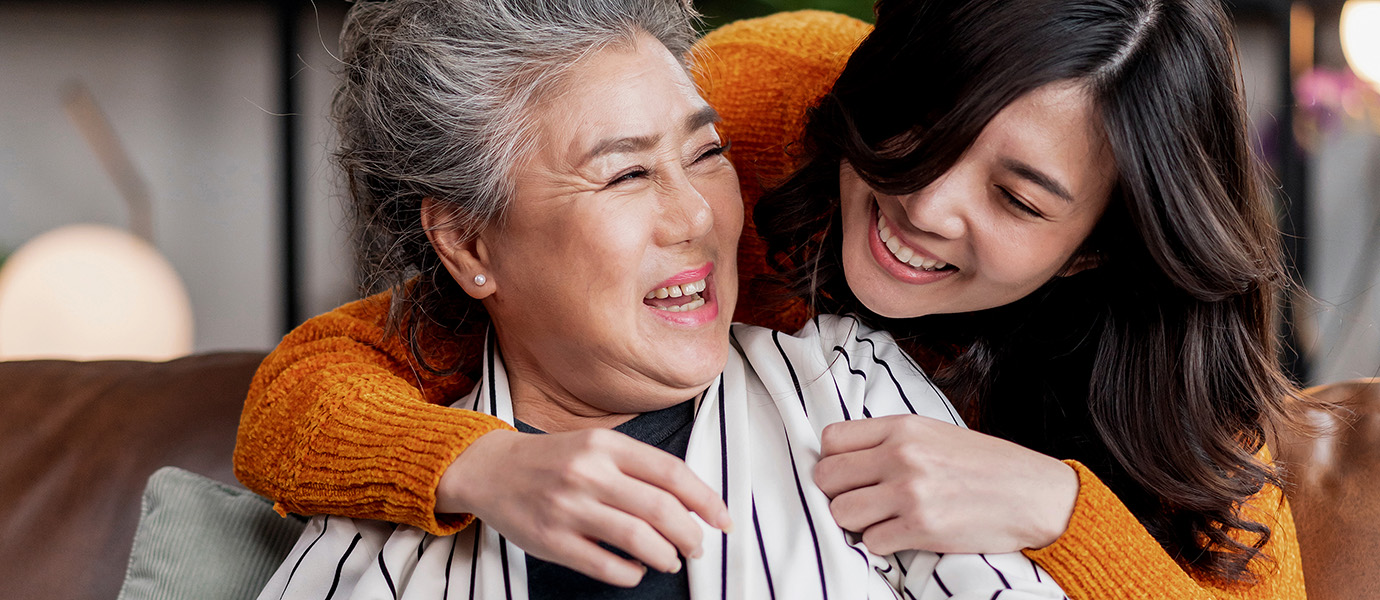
{"type": "Point", "coordinates": [339, 421]}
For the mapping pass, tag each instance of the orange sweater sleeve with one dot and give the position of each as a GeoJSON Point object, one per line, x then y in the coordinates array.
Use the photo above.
{"type": "Point", "coordinates": [339, 421]}
{"type": "Point", "coordinates": [1106, 553]}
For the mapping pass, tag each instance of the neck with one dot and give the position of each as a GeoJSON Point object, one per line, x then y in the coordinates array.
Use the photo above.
{"type": "Point", "coordinates": [552, 409]}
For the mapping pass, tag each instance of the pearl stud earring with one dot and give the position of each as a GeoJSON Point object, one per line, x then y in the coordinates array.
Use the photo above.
{"type": "Point", "coordinates": [480, 279]}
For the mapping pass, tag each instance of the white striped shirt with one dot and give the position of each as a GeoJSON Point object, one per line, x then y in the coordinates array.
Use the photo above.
{"type": "Point", "coordinates": [755, 440]}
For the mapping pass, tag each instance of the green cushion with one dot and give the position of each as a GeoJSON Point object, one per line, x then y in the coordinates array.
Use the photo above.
{"type": "Point", "coordinates": [202, 539]}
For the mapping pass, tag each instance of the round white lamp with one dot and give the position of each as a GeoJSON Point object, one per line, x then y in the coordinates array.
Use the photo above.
{"type": "Point", "coordinates": [90, 292]}
{"type": "Point", "coordinates": [1361, 38]}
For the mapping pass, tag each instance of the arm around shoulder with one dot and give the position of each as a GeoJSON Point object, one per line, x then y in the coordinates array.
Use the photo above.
{"type": "Point", "coordinates": [339, 421]}
{"type": "Point", "coordinates": [1106, 553]}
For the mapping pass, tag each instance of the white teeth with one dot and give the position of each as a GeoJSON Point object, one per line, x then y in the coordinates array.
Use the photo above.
{"type": "Point", "coordinates": [689, 306]}
{"type": "Point", "coordinates": [902, 252]}
{"type": "Point", "coordinates": [677, 291]}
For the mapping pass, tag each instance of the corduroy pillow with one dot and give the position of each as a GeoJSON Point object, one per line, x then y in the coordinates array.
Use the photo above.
{"type": "Point", "coordinates": [205, 540]}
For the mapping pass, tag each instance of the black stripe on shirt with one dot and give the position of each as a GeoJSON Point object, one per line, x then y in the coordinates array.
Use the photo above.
{"type": "Point", "coordinates": [1000, 575]}
{"type": "Point", "coordinates": [940, 582]}
{"type": "Point", "coordinates": [474, 558]}
{"type": "Point", "coordinates": [340, 566]}
{"type": "Point", "coordinates": [493, 385]}
{"type": "Point", "coordinates": [842, 403]}
{"type": "Point", "coordinates": [911, 362]}
{"type": "Point", "coordinates": [326, 522]}
{"type": "Point", "coordinates": [776, 339]}
{"type": "Point", "coordinates": [507, 577]}
{"type": "Point", "coordinates": [814, 535]}
{"type": "Point", "coordinates": [762, 547]}
{"type": "Point", "coordinates": [445, 591]}
{"type": "Point", "coordinates": [848, 360]}
{"type": "Point", "coordinates": [887, 368]}
{"type": "Point", "coordinates": [388, 579]}
{"type": "Point", "coordinates": [723, 462]}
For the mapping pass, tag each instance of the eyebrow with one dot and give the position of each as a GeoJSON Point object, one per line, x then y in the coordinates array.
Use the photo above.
{"type": "Point", "coordinates": [1033, 175]}
{"type": "Point", "coordinates": [704, 116]}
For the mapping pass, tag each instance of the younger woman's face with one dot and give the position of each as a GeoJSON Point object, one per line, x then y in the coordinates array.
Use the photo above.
{"type": "Point", "coordinates": [1005, 219]}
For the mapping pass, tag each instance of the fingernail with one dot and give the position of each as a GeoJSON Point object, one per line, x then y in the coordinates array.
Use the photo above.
{"type": "Point", "coordinates": [678, 567]}
{"type": "Point", "coordinates": [698, 553]}
{"type": "Point", "coordinates": [728, 525]}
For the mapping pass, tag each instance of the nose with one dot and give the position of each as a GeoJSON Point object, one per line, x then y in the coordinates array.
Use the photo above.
{"type": "Point", "coordinates": [686, 214]}
{"type": "Point", "coordinates": [940, 208]}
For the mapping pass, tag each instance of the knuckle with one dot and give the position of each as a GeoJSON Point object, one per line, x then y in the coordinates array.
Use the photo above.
{"type": "Point", "coordinates": [666, 510]}
{"type": "Point", "coordinates": [875, 542]}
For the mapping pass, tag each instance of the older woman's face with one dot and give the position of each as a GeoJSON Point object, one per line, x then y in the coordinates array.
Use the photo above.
{"type": "Point", "coordinates": [613, 275]}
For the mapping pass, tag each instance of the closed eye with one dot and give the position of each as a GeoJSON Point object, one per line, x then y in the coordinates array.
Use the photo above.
{"type": "Point", "coordinates": [1016, 202]}
{"type": "Point", "coordinates": [629, 175]}
{"type": "Point", "coordinates": [712, 151]}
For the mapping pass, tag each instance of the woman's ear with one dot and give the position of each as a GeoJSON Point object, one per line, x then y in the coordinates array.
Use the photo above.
{"type": "Point", "coordinates": [466, 257]}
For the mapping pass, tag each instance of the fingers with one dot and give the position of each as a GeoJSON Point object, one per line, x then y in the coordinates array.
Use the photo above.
{"type": "Point", "coordinates": [839, 473]}
{"type": "Point", "coordinates": [890, 536]}
{"type": "Point", "coordinates": [632, 535]}
{"type": "Point", "coordinates": [861, 509]}
{"type": "Point", "coordinates": [671, 474]}
{"type": "Point", "coordinates": [589, 558]}
{"type": "Point", "coordinates": [661, 526]}
{"type": "Point", "coordinates": [859, 434]}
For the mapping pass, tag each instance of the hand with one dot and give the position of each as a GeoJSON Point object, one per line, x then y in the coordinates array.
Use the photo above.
{"type": "Point", "coordinates": [557, 495]}
{"type": "Point", "coordinates": [911, 482]}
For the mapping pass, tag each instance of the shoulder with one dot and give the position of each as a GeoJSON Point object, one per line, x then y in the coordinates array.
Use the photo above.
{"type": "Point", "coordinates": [791, 57]}
{"type": "Point", "coordinates": [811, 34]}
{"type": "Point", "coordinates": [762, 74]}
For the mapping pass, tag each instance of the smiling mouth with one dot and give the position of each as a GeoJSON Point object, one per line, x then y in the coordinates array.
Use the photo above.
{"type": "Point", "coordinates": [905, 254]}
{"type": "Point", "coordinates": [678, 298]}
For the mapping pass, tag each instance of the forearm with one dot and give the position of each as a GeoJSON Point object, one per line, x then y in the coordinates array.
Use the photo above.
{"type": "Point", "coordinates": [1106, 553]}
{"type": "Point", "coordinates": [336, 422]}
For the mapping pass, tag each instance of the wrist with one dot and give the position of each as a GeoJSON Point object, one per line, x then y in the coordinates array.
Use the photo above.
{"type": "Point", "coordinates": [454, 490]}
{"type": "Point", "coordinates": [1057, 510]}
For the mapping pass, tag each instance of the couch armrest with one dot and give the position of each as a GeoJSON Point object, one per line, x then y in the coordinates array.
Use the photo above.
{"type": "Point", "coordinates": [1334, 490]}
{"type": "Point", "coordinates": [79, 441]}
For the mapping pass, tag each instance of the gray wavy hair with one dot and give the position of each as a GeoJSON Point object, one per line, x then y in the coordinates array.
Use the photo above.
{"type": "Point", "coordinates": [435, 102]}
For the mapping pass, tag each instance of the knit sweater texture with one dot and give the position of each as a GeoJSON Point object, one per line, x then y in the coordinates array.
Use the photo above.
{"type": "Point", "coordinates": [339, 419]}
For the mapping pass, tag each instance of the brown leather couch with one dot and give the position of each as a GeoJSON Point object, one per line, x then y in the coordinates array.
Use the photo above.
{"type": "Point", "coordinates": [79, 440]}
{"type": "Point", "coordinates": [1335, 492]}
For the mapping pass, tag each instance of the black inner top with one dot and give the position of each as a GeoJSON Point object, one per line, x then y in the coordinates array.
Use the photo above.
{"type": "Point", "coordinates": [667, 429]}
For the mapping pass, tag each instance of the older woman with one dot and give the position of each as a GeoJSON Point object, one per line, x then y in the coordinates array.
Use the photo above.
{"type": "Point", "coordinates": [959, 162]}
{"type": "Point", "coordinates": [562, 183]}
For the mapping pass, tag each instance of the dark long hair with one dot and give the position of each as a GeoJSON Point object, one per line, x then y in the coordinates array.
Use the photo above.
{"type": "Point", "coordinates": [1157, 369]}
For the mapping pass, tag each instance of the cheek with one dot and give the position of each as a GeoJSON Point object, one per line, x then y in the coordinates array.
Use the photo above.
{"type": "Point", "coordinates": [855, 198]}
{"type": "Point", "coordinates": [1025, 260]}
{"type": "Point", "coordinates": [570, 254]}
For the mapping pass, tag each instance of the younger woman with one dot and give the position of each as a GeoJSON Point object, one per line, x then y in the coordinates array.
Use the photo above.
{"type": "Point", "coordinates": [1095, 281]}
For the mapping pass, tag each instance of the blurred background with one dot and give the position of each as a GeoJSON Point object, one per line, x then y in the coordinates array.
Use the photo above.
{"type": "Point", "coordinates": [185, 145]}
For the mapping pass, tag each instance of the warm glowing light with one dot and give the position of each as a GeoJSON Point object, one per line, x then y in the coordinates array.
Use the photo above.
{"type": "Point", "coordinates": [1361, 38]}
{"type": "Point", "coordinates": [89, 292]}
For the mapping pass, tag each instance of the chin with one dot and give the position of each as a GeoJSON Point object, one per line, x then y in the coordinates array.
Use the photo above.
{"type": "Point", "coordinates": [872, 289]}
{"type": "Point", "coordinates": [698, 368]}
